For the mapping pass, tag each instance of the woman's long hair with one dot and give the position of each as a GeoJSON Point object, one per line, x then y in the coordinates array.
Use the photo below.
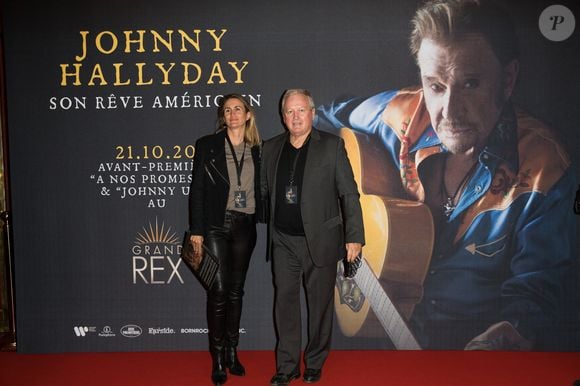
{"type": "Point", "coordinates": [251, 134]}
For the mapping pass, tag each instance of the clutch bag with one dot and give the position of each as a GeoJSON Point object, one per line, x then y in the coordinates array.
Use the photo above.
{"type": "Point", "coordinates": [204, 268]}
{"type": "Point", "coordinates": [351, 268]}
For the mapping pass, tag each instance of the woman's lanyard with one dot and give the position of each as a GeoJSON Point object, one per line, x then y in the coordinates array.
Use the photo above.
{"type": "Point", "coordinates": [239, 195]}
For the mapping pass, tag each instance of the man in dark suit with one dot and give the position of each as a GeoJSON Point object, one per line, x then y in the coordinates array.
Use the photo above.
{"type": "Point", "coordinates": [315, 220]}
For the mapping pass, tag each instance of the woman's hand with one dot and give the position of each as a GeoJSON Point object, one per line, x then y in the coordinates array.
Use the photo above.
{"type": "Point", "coordinates": [196, 242]}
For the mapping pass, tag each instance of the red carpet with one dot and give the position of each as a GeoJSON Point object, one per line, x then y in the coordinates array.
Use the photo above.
{"type": "Point", "coordinates": [342, 368]}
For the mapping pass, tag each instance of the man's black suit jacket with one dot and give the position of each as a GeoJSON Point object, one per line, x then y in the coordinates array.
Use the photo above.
{"type": "Point", "coordinates": [329, 201]}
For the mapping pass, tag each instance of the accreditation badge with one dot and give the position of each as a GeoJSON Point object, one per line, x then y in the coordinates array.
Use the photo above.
{"type": "Point", "coordinates": [240, 198]}
{"type": "Point", "coordinates": [291, 194]}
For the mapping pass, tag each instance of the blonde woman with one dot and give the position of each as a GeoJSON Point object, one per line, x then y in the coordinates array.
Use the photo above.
{"type": "Point", "coordinates": [223, 207]}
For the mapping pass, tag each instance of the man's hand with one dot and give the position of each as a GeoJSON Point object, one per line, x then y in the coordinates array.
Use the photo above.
{"type": "Point", "coordinates": [500, 336]}
{"type": "Point", "coordinates": [352, 251]}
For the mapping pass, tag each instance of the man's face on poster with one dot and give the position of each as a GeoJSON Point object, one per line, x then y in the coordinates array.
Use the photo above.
{"type": "Point", "coordinates": [465, 87]}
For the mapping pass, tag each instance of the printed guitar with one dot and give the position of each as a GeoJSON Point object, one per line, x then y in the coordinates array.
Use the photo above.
{"type": "Point", "coordinates": [399, 242]}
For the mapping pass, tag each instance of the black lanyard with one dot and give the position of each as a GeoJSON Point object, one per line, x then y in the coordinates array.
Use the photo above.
{"type": "Point", "coordinates": [296, 156]}
{"type": "Point", "coordinates": [240, 165]}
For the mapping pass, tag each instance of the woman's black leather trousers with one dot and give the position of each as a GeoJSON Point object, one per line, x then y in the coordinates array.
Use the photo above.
{"type": "Point", "coordinates": [233, 244]}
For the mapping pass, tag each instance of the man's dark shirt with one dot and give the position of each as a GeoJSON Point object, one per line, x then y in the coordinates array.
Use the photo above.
{"type": "Point", "coordinates": [288, 218]}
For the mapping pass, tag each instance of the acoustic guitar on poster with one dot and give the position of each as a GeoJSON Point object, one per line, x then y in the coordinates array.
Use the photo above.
{"type": "Point", "coordinates": [399, 242]}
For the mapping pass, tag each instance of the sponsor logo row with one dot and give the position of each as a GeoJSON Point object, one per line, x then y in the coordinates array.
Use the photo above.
{"type": "Point", "coordinates": [135, 331]}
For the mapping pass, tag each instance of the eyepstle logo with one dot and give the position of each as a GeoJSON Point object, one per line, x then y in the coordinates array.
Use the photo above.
{"type": "Point", "coordinates": [155, 257]}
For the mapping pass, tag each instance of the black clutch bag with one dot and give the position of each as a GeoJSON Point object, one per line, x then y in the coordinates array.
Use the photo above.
{"type": "Point", "coordinates": [204, 268]}
{"type": "Point", "coordinates": [350, 269]}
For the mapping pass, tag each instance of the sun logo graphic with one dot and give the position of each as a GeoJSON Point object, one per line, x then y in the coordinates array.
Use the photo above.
{"type": "Point", "coordinates": [156, 253]}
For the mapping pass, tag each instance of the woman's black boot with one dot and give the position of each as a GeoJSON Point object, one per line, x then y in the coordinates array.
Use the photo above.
{"type": "Point", "coordinates": [218, 370]}
{"type": "Point", "coordinates": [233, 363]}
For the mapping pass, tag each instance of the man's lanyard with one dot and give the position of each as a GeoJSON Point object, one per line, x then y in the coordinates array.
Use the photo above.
{"type": "Point", "coordinates": [291, 190]}
{"type": "Point", "coordinates": [239, 165]}
{"type": "Point", "coordinates": [296, 156]}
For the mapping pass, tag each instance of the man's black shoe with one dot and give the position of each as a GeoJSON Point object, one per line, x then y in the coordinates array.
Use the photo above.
{"type": "Point", "coordinates": [312, 375]}
{"type": "Point", "coordinates": [281, 379]}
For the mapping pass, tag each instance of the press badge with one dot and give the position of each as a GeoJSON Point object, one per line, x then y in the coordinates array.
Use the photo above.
{"type": "Point", "coordinates": [240, 198]}
{"type": "Point", "coordinates": [291, 194]}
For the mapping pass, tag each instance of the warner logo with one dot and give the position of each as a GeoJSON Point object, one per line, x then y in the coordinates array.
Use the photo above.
{"type": "Point", "coordinates": [81, 331]}
{"type": "Point", "coordinates": [131, 331]}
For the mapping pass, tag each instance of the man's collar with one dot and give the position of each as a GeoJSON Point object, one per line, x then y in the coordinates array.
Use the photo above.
{"type": "Point", "coordinates": [503, 141]}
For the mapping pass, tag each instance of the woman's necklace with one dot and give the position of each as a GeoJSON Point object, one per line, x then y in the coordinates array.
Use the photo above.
{"type": "Point", "coordinates": [450, 201]}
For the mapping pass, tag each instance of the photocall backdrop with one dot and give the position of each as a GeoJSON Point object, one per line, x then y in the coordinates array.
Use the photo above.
{"type": "Point", "coordinates": [105, 101]}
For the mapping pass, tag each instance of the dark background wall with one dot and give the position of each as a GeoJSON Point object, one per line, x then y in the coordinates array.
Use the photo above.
{"type": "Point", "coordinates": [97, 225]}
